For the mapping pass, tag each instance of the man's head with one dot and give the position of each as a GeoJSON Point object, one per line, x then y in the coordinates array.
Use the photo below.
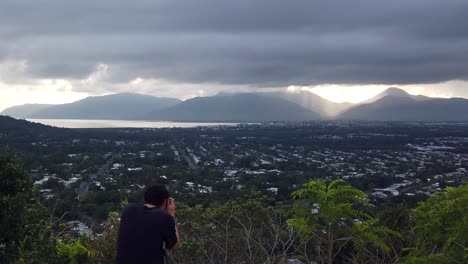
{"type": "Point", "coordinates": [156, 195]}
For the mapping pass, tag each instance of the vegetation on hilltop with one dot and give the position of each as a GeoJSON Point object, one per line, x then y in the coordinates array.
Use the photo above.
{"type": "Point", "coordinates": [329, 222]}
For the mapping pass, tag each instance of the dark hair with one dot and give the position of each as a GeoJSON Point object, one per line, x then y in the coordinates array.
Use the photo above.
{"type": "Point", "coordinates": [156, 194]}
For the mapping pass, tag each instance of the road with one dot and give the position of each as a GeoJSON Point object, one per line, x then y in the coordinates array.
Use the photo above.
{"type": "Point", "coordinates": [84, 187]}
{"type": "Point", "coordinates": [186, 157]}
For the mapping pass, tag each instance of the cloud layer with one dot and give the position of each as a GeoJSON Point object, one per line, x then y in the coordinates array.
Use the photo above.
{"type": "Point", "coordinates": [272, 43]}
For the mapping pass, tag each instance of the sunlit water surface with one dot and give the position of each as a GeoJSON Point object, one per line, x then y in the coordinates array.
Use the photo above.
{"type": "Point", "coordinates": [85, 123]}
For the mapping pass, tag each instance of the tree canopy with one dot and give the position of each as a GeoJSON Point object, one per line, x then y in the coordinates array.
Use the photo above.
{"type": "Point", "coordinates": [439, 231]}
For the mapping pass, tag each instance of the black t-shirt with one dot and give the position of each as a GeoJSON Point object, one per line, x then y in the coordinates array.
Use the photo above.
{"type": "Point", "coordinates": [142, 233]}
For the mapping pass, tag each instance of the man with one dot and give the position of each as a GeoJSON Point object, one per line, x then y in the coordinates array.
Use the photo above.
{"type": "Point", "coordinates": [147, 230]}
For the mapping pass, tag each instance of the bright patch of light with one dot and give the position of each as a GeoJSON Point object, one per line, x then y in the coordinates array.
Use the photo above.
{"type": "Point", "coordinates": [49, 91]}
{"type": "Point", "coordinates": [99, 75]}
{"type": "Point", "coordinates": [448, 89]}
{"type": "Point", "coordinates": [292, 89]}
{"type": "Point", "coordinates": [137, 81]}
{"type": "Point", "coordinates": [347, 93]}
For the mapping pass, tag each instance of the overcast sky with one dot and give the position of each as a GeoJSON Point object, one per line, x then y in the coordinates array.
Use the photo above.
{"type": "Point", "coordinates": [60, 51]}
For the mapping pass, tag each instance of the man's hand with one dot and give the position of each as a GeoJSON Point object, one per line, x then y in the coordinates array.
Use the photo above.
{"type": "Point", "coordinates": [171, 208]}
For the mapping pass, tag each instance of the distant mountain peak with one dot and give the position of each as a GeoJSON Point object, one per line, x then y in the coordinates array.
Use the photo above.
{"type": "Point", "coordinates": [395, 91]}
{"type": "Point", "coordinates": [410, 108]}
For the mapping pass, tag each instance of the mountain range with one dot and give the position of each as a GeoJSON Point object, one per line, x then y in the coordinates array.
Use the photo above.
{"type": "Point", "coordinates": [124, 106]}
{"type": "Point", "coordinates": [24, 111]}
{"type": "Point", "coordinates": [393, 108]}
{"type": "Point", "coordinates": [392, 104]}
{"type": "Point", "coordinates": [243, 107]}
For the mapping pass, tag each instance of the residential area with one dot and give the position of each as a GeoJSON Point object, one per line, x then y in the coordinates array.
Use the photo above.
{"type": "Point", "coordinates": [93, 171]}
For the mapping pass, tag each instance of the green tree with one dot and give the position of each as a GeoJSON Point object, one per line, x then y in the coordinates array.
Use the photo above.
{"type": "Point", "coordinates": [26, 232]}
{"type": "Point", "coordinates": [76, 250]}
{"type": "Point", "coordinates": [38, 244]}
{"type": "Point", "coordinates": [104, 245]}
{"type": "Point", "coordinates": [440, 228]}
{"type": "Point", "coordinates": [332, 217]}
{"type": "Point", "coordinates": [15, 187]}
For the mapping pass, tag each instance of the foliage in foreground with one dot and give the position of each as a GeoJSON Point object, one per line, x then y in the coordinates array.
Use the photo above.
{"type": "Point", "coordinates": [26, 230]}
{"type": "Point", "coordinates": [334, 218]}
{"type": "Point", "coordinates": [329, 223]}
{"type": "Point", "coordinates": [439, 233]}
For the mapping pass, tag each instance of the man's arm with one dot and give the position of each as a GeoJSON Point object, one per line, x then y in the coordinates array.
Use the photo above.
{"type": "Point", "coordinates": [171, 211]}
{"type": "Point", "coordinates": [177, 244]}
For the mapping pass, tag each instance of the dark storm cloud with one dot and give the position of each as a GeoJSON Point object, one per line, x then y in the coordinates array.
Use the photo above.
{"type": "Point", "coordinates": [260, 43]}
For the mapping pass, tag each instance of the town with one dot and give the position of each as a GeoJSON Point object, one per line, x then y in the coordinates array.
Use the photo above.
{"type": "Point", "coordinates": [88, 173]}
